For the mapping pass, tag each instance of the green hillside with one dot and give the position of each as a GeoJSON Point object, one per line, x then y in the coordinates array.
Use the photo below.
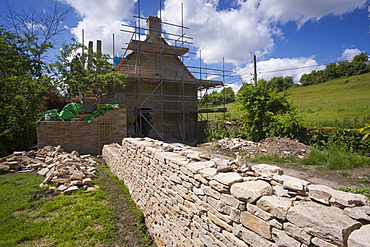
{"type": "Point", "coordinates": [339, 100]}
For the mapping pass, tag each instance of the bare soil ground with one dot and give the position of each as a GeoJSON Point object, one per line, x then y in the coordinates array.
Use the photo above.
{"type": "Point", "coordinates": [127, 233]}
{"type": "Point", "coordinates": [316, 174]}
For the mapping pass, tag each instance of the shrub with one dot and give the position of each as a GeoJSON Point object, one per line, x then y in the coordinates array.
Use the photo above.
{"type": "Point", "coordinates": [267, 113]}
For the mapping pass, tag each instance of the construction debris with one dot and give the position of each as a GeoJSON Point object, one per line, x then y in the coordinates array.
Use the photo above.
{"type": "Point", "coordinates": [70, 171]}
{"type": "Point", "coordinates": [283, 147]}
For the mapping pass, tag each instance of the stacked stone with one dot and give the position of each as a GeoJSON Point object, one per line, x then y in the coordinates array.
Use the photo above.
{"type": "Point", "coordinates": [69, 170]}
{"type": "Point", "coordinates": [191, 199]}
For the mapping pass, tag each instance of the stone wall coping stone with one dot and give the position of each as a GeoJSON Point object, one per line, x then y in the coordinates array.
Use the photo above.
{"type": "Point", "coordinates": [228, 178]}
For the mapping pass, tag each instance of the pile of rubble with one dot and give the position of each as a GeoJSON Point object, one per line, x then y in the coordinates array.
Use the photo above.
{"type": "Point", "coordinates": [70, 171]}
{"type": "Point", "coordinates": [283, 147]}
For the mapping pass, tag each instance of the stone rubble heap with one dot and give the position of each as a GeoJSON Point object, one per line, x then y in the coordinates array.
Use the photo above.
{"type": "Point", "coordinates": [282, 147]}
{"type": "Point", "coordinates": [191, 199]}
{"type": "Point", "coordinates": [69, 170]}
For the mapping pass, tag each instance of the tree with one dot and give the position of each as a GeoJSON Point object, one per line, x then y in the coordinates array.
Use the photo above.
{"type": "Point", "coordinates": [79, 70]}
{"type": "Point", "coordinates": [21, 88]}
{"type": "Point", "coordinates": [42, 26]}
{"type": "Point", "coordinates": [279, 83]}
{"type": "Point", "coordinates": [227, 94]}
{"type": "Point", "coordinates": [359, 65]}
{"type": "Point", "coordinates": [266, 112]}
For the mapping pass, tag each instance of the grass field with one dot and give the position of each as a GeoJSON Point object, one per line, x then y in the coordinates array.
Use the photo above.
{"type": "Point", "coordinates": [342, 100]}
{"type": "Point", "coordinates": [34, 216]}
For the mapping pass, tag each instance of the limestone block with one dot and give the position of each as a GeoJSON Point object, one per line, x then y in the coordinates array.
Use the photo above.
{"type": "Point", "coordinates": [321, 243]}
{"type": "Point", "coordinates": [341, 198]}
{"type": "Point", "coordinates": [208, 173]}
{"type": "Point", "coordinates": [276, 224]}
{"type": "Point", "coordinates": [360, 237]}
{"type": "Point", "coordinates": [250, 191]}
{"type": "Point", "coordinates": [297, 233]}
{"type": "Point", "coordinates": [280, 191]}
{"type": "Point", "coordinates": [255, 224]}
{"type": "Point", "coordinates": [327, 223]}
{"type": "Point", "coordinates": [292, 183]}
{"type": "Point", "coordinates": [219, 186]}
{"type": "Point", "coordinates": [283, 240]}
{"type": "Point", "coordinates": [219, 205]}
{"type": "Point", "coordinates": [70, 189]}
{"type": "Point", "coordinates": [358, 213]}
{"type": "Point", "coordinates": [267, 170]}
{"type": "Point", "coordinates": [4, 169]}
{"type": "Point", "coordinates": [319, 196]}
{"type": "Point", "coordinates": [210, 192]}
{"type": "Point", "coordinates": [77, 176]}
{"type": "Point", "coordinates": [201, 179]}
{"type": "Point", "coordinates": [251, 237]}
{"type": "Point", "coordinates": [43, 171]}
{"type": "Point", "coordinates": [219, 222]}
{"type": "Point", "coordinates": [253, 209]}
{"type": "Point", "coordinates": [232, 201]}
{"type": "Point", "coordinates": [228, 178]}
{"type": "Point", "coordinates": [196, 166]}
{"type": "Point", "coordinates": [235, 240]}
{"type": "Point", "coordinates": [277, 206]}
{"type": "Point", "coordinates": [235, 215]}
{"type": "Point", "coordinates": [62, 187]}
{"type": "Point", "coordinates": [160, 156]}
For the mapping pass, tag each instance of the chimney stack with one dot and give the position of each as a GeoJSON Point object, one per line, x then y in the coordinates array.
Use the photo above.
{"type": "Point", "coordinates": [154, 28]}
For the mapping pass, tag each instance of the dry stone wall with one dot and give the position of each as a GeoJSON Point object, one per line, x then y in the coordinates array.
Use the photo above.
{"type": "Point", "coordinates": [191, 199]}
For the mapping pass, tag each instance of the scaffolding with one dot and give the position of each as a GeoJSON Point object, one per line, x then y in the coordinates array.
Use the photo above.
{"type": "Point", "coordinates": [157, 63]}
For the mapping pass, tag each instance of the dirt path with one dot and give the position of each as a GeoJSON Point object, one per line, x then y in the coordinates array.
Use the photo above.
{"type": "Point", "coordinates": [127, 233]}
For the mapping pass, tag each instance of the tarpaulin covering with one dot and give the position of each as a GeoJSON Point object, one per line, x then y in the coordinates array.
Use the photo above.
{"type": "Point", "coordinates": [70, 111]}
{"type": "Point", "coordinates": [101, 111]}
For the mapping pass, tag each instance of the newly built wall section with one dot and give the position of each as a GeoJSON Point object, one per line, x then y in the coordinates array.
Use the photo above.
{"type": "Point", "coordinates": [191, 199]}
{"type": "Point", "coordinates": [82, 136]}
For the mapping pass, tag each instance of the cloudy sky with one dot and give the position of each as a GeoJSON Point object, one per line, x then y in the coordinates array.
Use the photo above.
{"type": "Point", "coordinates": [289, 37]}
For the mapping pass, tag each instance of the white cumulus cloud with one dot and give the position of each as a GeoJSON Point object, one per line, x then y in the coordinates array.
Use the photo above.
{"type": "Point", "coordinates": [249, 27]}
{"type": "Point", "coordinates": [348, 54]}
{"type": "Point", "coordinates": [100, 20]}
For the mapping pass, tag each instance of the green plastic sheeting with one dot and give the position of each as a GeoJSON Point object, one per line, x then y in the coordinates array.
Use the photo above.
{"type": "Point", "coordinates": [70, 111]}
{"type": "Point", "coordinates": [50, 113]}
{"type": "Point", "coordinates": [101, 111]}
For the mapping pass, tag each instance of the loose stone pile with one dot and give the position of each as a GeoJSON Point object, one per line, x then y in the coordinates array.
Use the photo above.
{"type": "Point", "coordinates": [191, 199]}
{"type": "Point", "coordinates": [69, 170]}
{"type": "Point", "coordinates": [282, 147]}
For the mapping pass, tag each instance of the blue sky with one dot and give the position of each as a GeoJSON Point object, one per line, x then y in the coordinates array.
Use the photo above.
{"type": "Point", "coordinates": [284, 34]}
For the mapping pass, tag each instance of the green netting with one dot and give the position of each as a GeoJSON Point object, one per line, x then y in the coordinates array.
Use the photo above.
{"type": "Point", "coordinates": [101, 111]}
{"type": "Point", "coordinates": [70, 111]}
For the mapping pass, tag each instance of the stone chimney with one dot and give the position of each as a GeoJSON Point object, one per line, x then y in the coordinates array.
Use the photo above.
{"type": "Point", "coordinates": [154, 28]}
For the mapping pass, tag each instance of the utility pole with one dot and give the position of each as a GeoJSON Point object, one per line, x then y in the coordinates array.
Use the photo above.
{"type": "Point", "coordinates": [255, 69]}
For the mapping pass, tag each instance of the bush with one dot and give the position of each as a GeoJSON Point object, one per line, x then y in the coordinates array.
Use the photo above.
{"type": "Point", "coordinates": [349, 140]}
{"type": "Point", "coordinates": [267, 113]}
{"type": "Point", "coordinates": [215, 130]}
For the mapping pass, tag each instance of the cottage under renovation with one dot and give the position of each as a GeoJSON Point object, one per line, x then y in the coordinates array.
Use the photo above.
{"type": "Point", "coordinates": [160, 99]}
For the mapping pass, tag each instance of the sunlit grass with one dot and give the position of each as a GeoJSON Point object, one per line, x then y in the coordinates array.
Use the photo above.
{"type": "Point", "coordinates": [30, 218]}
{"type": "Point", "coordinates": [335, 158]}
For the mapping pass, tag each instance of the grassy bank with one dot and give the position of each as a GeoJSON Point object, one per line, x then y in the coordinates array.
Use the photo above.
{"type": "Point", "coordinates": [338, 100]}
{"type": "Point", "coordinates": [337, 103]}
{"type": "Point", "coordinates": [32, 216]}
